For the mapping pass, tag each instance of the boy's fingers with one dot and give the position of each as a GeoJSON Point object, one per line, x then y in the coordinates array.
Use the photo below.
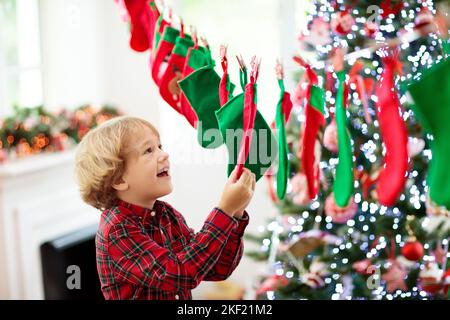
{"type": "Point", "coordinates": [243, 176]}
{"type": "Point", "coordinates": [233, 174]}
{"type": "Point", "coordinates": [253, 181]}
{"type": "Point", "coordinates": [246, 178]}
{"type": "Point", "coordinates": [245, 173]}
{"type": "Point", "coordinates": [252, 178]}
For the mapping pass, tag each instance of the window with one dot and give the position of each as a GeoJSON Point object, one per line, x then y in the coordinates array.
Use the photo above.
{"type": "Point", "coordinates": [266, 28]}
{"type": "Point", "coordinates": [20, 55]}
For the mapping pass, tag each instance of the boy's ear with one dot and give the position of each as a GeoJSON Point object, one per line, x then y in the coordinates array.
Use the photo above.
{"type": "Point", "coordinates": [120, 185]}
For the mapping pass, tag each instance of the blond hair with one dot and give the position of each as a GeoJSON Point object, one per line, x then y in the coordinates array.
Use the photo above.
{"type": "Point", "coordinates": [100, 159]}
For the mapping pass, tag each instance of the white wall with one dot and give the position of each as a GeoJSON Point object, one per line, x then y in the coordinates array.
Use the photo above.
{"type": "Point", "coordinates": [87, 59]}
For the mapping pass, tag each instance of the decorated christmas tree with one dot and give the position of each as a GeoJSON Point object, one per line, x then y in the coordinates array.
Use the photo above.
{"type": "Point", "coordinates": [361, 189]}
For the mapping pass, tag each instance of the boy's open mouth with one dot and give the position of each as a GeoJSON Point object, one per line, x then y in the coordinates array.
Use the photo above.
{"type": "Point", "coordinates": [164, 172]}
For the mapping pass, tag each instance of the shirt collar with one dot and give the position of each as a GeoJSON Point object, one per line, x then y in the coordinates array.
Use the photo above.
{"type": "Point", "coordinates": [134, 209]}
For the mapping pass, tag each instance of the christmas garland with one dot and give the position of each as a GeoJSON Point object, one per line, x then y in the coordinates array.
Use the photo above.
{"type": "Point", "coordinates": [30, 131]}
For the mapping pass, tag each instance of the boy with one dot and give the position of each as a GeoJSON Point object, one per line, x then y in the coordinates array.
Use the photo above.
{"type": "Point", "coordinates": [145, 250]}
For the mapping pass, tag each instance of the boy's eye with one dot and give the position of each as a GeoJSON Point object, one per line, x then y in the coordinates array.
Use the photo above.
{"type": "Point", "coordinates": [149, 150]}
{"type": "Point", "coordinates": [160, 147]}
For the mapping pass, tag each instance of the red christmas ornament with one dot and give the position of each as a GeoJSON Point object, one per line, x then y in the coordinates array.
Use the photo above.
{"type": "Point", "coordinates": [413, 250]}
{"type": "Point", "coordinates": [342, 24]}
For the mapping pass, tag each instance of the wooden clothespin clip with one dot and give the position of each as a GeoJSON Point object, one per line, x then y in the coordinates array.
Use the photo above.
{"type": "Point", "coordinates": [223, 52]}
{"type": "Point", "coordinates": [255, 66]}
{"type": "Point", "coordinates": [241, 63]}
{"type": "Point", "coordinates": [279, 70]}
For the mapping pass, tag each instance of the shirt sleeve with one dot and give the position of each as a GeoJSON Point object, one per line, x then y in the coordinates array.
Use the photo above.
{"type": "Point", "coordinates": [231, 254]}
{"type": "Point", "coordinates": [139, 260]}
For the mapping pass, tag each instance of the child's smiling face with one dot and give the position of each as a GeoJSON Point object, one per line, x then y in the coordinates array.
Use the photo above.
{"type": "Point", "coordinates": [147, 167]}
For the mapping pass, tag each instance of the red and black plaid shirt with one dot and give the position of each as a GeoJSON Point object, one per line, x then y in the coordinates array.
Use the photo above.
{"type": "Point", "coordinates": [153, 254]}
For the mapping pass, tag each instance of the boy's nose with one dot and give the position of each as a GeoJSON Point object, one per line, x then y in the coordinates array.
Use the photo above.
{"type": "Point", "coordinates": [163, 156]}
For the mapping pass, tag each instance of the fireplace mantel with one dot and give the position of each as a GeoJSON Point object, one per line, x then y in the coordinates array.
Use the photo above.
{"type": "Point", "coordinates": [32, 164]}
{"type": "Point", "coordinates": [39, 201]}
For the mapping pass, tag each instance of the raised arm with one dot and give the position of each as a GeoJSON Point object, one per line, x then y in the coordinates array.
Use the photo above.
{"type": "Point", "coordinates": [139, 260]}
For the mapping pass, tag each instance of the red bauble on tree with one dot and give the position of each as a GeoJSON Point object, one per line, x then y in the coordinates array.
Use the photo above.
{"type": "Point", "coordinates": [342, 24]}
{"type": "Point", "coordinates": [413, 250]}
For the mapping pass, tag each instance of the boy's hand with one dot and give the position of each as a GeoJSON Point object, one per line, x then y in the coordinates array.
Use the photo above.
{"type": "Point", "coordinates": [236, 195]}
{"type": "Point", "coordinates": [240, 212]}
